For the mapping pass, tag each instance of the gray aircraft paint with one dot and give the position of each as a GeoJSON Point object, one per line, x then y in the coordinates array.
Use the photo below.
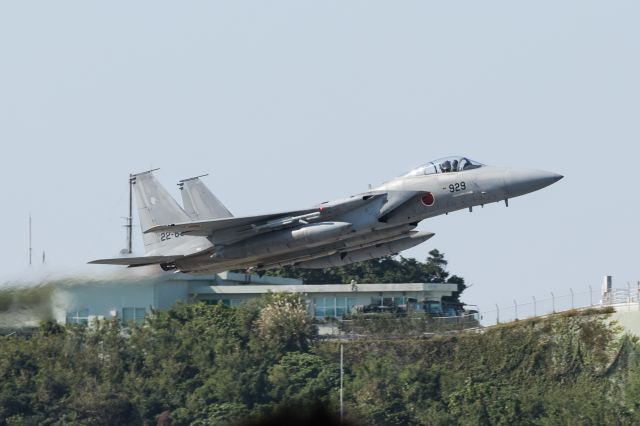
{"type": "Point", "coordinates": [205, 238]}
{"type": "Point", "coordinates": [199, 202]}
{"type": "Point", "coordinates": [354, 242]}
{"type": "Point", "coordinates": [372, 252]}
{"type": "Point", "coordinates": [157, 207]}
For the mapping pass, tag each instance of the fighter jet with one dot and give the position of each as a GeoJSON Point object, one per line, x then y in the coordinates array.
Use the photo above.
{"type": "Point", "coordinates": [204, 237]}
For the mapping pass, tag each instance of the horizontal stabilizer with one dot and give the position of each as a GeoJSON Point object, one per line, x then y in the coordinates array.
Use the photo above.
{"type": "Point", "coordinates": [136, 261]}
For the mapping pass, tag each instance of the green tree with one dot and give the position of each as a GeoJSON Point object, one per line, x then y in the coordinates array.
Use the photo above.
{"type": "Point", "coordinates": [435, 267]}
{"type": "Point", "coordinates": [284, 322]}
{"type": "Point", "coordinates": [301, 378]}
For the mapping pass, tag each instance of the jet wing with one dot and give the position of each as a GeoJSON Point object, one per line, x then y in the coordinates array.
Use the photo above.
{"type": "Point", "coordinates": [136, 261]}
{"type": "Point", "coordinates": [208, 227]}
{"type": "Point", "coordinates": [243, 227]}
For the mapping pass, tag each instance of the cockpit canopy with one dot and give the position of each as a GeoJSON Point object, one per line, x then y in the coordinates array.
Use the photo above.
{"type": "Point", "coordinates": [445, 165]}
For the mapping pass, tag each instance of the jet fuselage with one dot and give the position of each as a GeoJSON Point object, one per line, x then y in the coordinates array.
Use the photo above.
{"type": "Point", "coordinates": [372, 224]}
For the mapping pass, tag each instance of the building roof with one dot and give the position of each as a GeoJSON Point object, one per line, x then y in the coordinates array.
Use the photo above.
{"type": "Point", "coordinates": [324, 288]}
{"type": "Point", "coordinates": [235, 278]}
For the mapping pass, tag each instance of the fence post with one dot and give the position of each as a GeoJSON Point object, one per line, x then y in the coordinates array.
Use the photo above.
{"type": "Point", "coordinates": [590, 295]}
{"type": "Point", "coordinates": [571, 291]}
{"type": "Point", "coordinates": [497, 314]}
{"type": "Point", "coordinates": [516, 305]}
{"type": "Point", "coordinates": [553, 303]}
{"type": "Point", "coordinates": [534, 307]}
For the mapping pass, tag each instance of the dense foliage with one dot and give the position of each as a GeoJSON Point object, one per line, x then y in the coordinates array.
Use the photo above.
{"type": "Point", "coordinates": [570, 369]}
{"type": "Point", "coordinates": [204, 363]}
{"type": "Point", "coordinates": [227, 365]}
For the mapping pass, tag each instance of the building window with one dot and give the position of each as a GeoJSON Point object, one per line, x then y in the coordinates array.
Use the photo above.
{"type": "Point", "coordinates": [387, 301]}
{"type": "Point", "coordinates": [351, 302]}
{"type": "Point", "coordinates": [341, 306]}
{"type": "Point", "coordinates": [318, 302]}
{"type": "Point", "coordinates": [434, 307]}
{"type": "Point", "coordinates": [226, 302]}
{"type": "Point", "coordinates": [325, 307]}
{"type": "Point", "coordinates": [333, 306]}
{"type": "Point", "coordinates": [135, 315]}
{"type": "Point", "coordinates": [79, 317]}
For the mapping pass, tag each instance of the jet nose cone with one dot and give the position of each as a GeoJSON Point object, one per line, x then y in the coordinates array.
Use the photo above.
{"type": "Point", "coordinates": [521, 182]}
{"type": "Point", "coordinates": [547, 178]}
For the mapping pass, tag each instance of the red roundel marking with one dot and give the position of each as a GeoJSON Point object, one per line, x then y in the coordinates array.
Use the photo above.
{"type": "Point", "coordinates": [428, 199]}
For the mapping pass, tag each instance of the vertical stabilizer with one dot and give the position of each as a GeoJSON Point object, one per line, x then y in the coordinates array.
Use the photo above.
{"type": "Point", "coordinates": [155, 207]}
{"type": "Point", "coordinates": [199, 202]}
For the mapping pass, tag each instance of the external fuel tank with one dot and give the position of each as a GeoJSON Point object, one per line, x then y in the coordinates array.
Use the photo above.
{"type": "Point", "coordinates": [285, 240]}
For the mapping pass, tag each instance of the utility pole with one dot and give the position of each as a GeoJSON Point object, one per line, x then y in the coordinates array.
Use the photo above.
{"type": "Point", "coordinates": [341, 382]}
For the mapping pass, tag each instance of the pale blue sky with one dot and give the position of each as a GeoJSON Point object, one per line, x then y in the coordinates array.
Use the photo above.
{"type": "Point", "coordinates": [287, 104]}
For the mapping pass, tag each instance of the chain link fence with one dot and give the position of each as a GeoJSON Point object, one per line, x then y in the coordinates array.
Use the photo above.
{"type": "Point", "coordinates": [552, 303]}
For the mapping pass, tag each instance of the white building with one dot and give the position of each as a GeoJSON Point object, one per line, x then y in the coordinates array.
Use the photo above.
{"type": "Point", "coordinates": [625, 302]}
{"type": "Point", "coordinates": [132, 298]}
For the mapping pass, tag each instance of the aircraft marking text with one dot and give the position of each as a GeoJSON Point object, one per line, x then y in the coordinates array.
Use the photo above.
{"type": "Point", "coordinates": [164, 236]}
{"type": "Point", "coordinates": [458, 186]}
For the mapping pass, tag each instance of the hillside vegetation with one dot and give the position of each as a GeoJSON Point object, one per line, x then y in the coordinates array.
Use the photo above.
{"type": "Point", "coordinates": [231, 365]}
{"type": "Point", "coordinates": [217, 365]}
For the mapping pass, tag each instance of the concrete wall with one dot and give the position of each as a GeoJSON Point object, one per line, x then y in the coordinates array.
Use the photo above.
{"type": "Point", "coordinates": [108, 299]}
{"type": "Point", "coordinates": [628, 316]}
{"type": "Point", "coordinates": [168, 293]}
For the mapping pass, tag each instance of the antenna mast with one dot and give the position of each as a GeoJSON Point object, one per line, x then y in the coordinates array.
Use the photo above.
{"type": "Point", "coordinates": [130, 217]}
{"type": "Point", "coordinates": [30, 248]}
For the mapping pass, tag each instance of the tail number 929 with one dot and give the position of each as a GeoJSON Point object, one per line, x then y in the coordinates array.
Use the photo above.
{"type": "Point", "coordinates": [458, 186]}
